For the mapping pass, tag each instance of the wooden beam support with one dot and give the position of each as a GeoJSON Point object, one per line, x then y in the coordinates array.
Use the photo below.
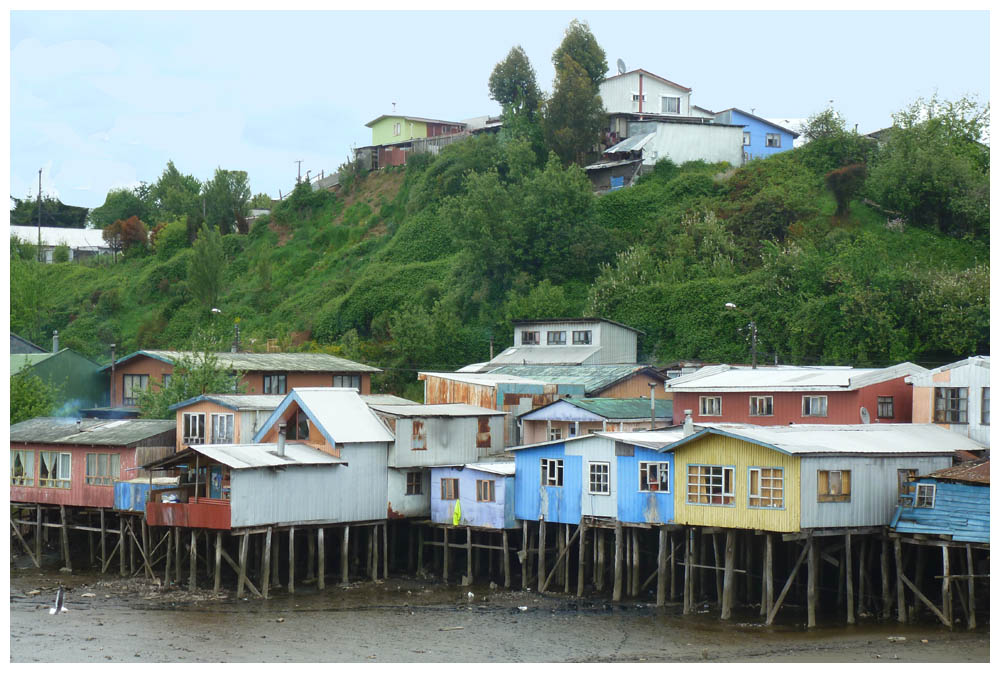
{"type": "Point", "coordinates": [555, 565]}
{"type": "Point", "coordinates": [291, 560]}
{"type": "Point", "coordinates": [661, 569]}
{"type": "Point", "coordinates": [321, 560]}
{"type": "Point", "coordinates": [619, 543]}
{"type": "Point", "coordinates": [265, 575]}
{"type": "Point", "coordinates": [31, 554]}
{"type": "Point", "coordinates": [933, 608]}
{"type": "Point", "coordinates": [241, 569]}
{"type": "Point", "coordinates": [788, 585]}
{"type": "Point", "coordinates": [946, 602]}
{"type": "Point", "coordinates": [972, 586]}
{"type": "Point", "coordinates": [64, 535]}
{"type": "Point", "coordinates": [217, 584]}
{"type": "Point", "coordinates": [541, 556]}
{"type": "Point", "coordinates": [727, 586]}
{"type": "Point", "coordinates": [193, 569]}
{"type": "Point", "coordinates": [344, 546]}
{"type": "Point", "coordinates": [900, 592]}
{"type": "Point", "coordinates": [849, 566]}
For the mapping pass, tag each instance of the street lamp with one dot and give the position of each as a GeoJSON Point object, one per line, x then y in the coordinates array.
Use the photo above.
{"type": "Point", "coordinates": [753, 333]}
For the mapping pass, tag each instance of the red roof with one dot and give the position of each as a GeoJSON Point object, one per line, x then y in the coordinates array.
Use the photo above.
{"type": "Point", "coordinates": [976, 472]}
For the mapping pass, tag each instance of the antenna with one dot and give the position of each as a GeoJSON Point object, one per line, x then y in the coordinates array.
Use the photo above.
{"type": "Point", "coordinates": [866, 418]}
{"type": "Point", "coordinates": [621, 67]}
{"type": "Point", "coordinates": [393, 107]}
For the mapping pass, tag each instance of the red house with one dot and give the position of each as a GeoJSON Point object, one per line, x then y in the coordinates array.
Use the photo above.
{"type": "Point", "coordinates": [64, 461]}
{"type": "Point", "coordinates": [781, 395]}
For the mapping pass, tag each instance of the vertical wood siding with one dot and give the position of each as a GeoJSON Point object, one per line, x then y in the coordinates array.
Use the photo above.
{"type": "Point", "coordinates": [729, 451]}
{"type": "Point", "coordinates": [80, 494]}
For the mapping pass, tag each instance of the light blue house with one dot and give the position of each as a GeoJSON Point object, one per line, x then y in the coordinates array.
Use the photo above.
{"type": "Point", "coordinates": [761, 138]}
{"type": "Point", "coordinates": [617, 476]}
{"type": "Point", "coordinates": [953, 502]}
{"type": "Point", "coordinates": [477, 494]}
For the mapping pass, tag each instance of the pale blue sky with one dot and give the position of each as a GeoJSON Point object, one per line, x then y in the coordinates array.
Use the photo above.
{"type": "Point", "coordinates": [104, 99]}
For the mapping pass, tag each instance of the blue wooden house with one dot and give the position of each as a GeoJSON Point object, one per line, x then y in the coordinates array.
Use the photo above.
{"type": "Point", "coordinates": [953, 502]}
{"type": "Point", "coordinates": [476, 494]}
{"type": "Point", "coordinates": [761, 138]}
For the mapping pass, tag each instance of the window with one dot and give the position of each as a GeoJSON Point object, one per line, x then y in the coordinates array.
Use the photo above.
{"type": "Point", "coordinates": [530, 339]}
{"type": "Point", "coordinates": [710, 485]}
{"type": "Point", "coordinates": [985, 409]}
{"type": "Point", "coordinates": [814, 405]}
{"type": "Point", "coordinates": [554, 434]}
{"type": "Point", "coordinates": [54, 469]}
{"type": "Point", "coordinates": [581, 337]}
{"type": "Point", "coordinates": [274, 384]}
{"type": "Point", "coordinates": [637, 97]}
{"type": "Point", "coordinates": [22, 468]}
{"type": "Point", "coordinates": [833, 486]}
{"type": "Point", "coordinates": [761, 405]}
{"type": "Point", "coordinates": [885, 407]}
{"type": "Point", "coordinates": [746, 138]}
{"type": "Point", "coordinates": [710, 406]}
{"type": "Point", "coordinates": [773, 140]}
{"type": "Point", "coordinates": [485, 490]}
{"type": "Point", "coordinates": [347, 381]}
{"type": "Point", "coordinates": [925, 495]}
{"type": "Point", "coordinates": [557, 338]}
{"type": "Point", "coordinates": [222, 428]}
{"type": "Point", "coordinates": [600, 478]}
{"type": "Point", "coordinates": [951, 405]}
{"type": "Point", "coordinates": [194, 429]}
{"type": "Point", "coordinates": [298, 427]}
{"type": "Point", "coordinates": [132, 385]}
{"type": "Point", "coordinates": [904, 488]}
{"type": "Point", "coordinates": [654, 477]}
{"type": "Point", "coordinates": [449, 489]}
{"type": "Point", "coordinates": [552, 472]}
{"type": "Point", "coordinates": [396, 129]}
{"type": "Point", "coordinates": [670, 105]}
{"type": "Point", "coordinates": [103, 468]}
{"type": "Point", "coordinates": [414, 483]}
{"type": "Point", "coordinates": [167, 378]}
{"type": "Point", "coordinates": [767, 487]}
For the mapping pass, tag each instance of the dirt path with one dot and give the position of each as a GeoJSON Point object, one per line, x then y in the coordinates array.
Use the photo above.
{"type": "Point", "coordinates": [407, 620]}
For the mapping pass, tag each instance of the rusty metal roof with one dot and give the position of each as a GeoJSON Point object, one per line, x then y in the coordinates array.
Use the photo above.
{"type": "Point", "coordinates": [435, 410]}
{"type": "Point", "coordinates": [89, 431]}
{"type": "Point", "coordinates": [974, 472]}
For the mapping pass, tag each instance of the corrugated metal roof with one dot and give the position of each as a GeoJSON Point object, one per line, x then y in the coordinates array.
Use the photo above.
{"type": "Point", "coordinates": [610, 164]}
{"type": "Point", "coordinates": [249, 456]}
{"type": "Point", "coordinates": [237, 402]}
{"type": "Point", "coordinates": [875, 439]}
{"type": "Point", "coordinates": [655, 439]}
{"type": "Point", "coordinates": [974, 472]}
{"type": "Point", "coordinates": [340, 413]}
{"type": "Point", "coordinates": [78, 239]}
{"type": "Point", "coordinates": [505, 468]}
{"type": "Point", "coordinates": [19, 361]}
{"type": "Point", "coordinates": [95, 431]}
{"type": "Point", "coordinates": [490, 379]}
{"type": "Point", "coordinates": [593, 378]}
{"type": "Point", "coordinates": [646, 72]}
{"type": "Point", "coordinates": [599, 408]}
{"type": "Point", "coordinates": [257, 362]}
{"type": "Point", "coordinates": [786, 378]}
{"type": "Point", "coordinates": [633, 144]}
{"type": "Point", "coordinates": [544, 355]}
{"type": "Point", "coordinates": [575, 321]}
{"type": "Point", "coordinates": [413, 119]}
{"type": "Point", "coordinates": [927, 378]}
{"type": "Point", "coordinates": [386, 399]}
{"type": "Point", "coordinates": [432, 410]}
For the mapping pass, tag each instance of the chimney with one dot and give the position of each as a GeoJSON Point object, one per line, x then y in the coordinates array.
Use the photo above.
{"type": "Point", "coordinates": [79, 425]}
{"type": "Point", "coordinates": [688, 423]}
{"type": "Point", "coordinates": [55, 341]}
{"type": "Point", "coordinates": [111, 396]}
{"type": "Point", "coordinates": [281, 439]}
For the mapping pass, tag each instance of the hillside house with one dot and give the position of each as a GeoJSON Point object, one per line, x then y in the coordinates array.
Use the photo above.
{"type": "Point", "coordinates": [82, 243]}
{"type": "Point", "coordinates": [77, 379]}
{"type": "Point", "coordinates": [572, 417]}
{"type": "Point", "coordinates": [955, 396]}
{"type": "Point", "coordinates": [786, 394]}
{"type": "Point", "coordinates": [761, 137]}
{"type": "Point", "coordinates": [260, 373]}
{"type": "Point", "coordinates": [573, 341]}
{"type": "Point", "coordinates": [394, 137]}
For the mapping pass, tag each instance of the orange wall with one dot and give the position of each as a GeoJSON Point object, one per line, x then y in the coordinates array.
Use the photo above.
{"type": "Point", "coordinates": [637, 386]}
{"type": "Point", "coordinates": [207, 408]}
{"type": "Point", "coordinates": [140, 364]}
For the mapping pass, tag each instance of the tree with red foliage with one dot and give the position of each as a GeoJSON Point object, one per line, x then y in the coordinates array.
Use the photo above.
{"type": "Point", "coordinates": [121, 235]}
{"type": "Point", "coordinates": [844, 183]}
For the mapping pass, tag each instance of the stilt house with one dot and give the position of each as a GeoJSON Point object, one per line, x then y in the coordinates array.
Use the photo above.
{"type": "Point", "coordinates": [477, 494]}
{"type": "Point", "coordinates": [953, 503]}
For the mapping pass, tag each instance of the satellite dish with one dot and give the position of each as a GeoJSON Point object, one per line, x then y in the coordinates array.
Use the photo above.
{"type": "Point", "coordinates": [866, 418]}
{"type": "Point", "coordinates": [621, 67]}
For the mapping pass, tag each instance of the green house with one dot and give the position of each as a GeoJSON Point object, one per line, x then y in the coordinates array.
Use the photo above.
{"type": "Point", "coordinates": [80, 383]}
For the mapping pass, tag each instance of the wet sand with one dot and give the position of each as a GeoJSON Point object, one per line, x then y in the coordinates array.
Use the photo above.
{"type": "Point", "coordinates": [411, 620]}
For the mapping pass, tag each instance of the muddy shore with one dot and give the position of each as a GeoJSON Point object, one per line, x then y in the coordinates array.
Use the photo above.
{"type": "Point", "coordinates": [410, 620]}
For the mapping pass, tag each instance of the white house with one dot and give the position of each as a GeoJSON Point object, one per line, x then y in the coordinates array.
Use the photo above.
{"type": "Point", "coordinates": [81, 242]}
{"type": "Point", "coordinates": [955, 396]}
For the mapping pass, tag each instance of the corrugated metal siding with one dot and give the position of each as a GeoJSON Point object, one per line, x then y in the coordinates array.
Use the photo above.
{"type": "Point", "coordinates": [485, 514]}
{"type": "Point", "coordinates": [596, 450]}
{"type": "Point", "coordinates": [636, 386]}
{"type": "Point", "coordinates": [616, 93]}
{"type": "Point", "coordinates": [874, 488]}
{"type": "Point", "coordinates": [131, 497]}
{"type": "Point", "coordinates": [447, 440]}
{"type": "Point", "coordinates": [975, 378]}
{"type": "Point", "coordinates": [643, 507]}
{"type": "Point", "coordinates": [447, 391]}
{"type": "Point", "coordinates": [355, 492]}
{"type": "Point", "coordinates": [618, 345]}
{"type": "Point", "coordinates": [403, 505]}
{"type": "Point", "coordinates": [554, 503]}
{"type": "Point", "coordinates": [960, 510]}
{"type": "Point", "coordinates": [728, 451]}
{"type": "Point", "coordinates": [80, 494]}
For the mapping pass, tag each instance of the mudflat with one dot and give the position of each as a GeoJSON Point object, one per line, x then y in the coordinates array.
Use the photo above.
{"type": "Point", "coordinates": [414, 620]}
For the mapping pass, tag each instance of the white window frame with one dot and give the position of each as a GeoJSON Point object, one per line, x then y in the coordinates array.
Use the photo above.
{"type": "Point", "coordinates": [665, 109]}
{"type": "Point", "coordinates": [552, 472]}
{"type": "Point", "coordinates": [716, 475]}
{"type": "Point", "coordinates": [534, 339]}
{"type": "Point", "coordinates": [397, 129]}
{"type": "Point", "coordinates": [224, 420]}
{"type": "Point", "coordinates": [582, 337]}
{"type": "Point", "coordinates": [772, 140]}
{"type": "Point", "coordinates": [765, 401]}
{"type": "Point", "coordinates": [194, 420]}
{"type": "Point", "coordinates": [636, 97]}
{"type": "Point", "coordinates": [808, 401]}
{"type": "Point", "coordinates": [63, 470]}
{"type": "Point", "coordinates": [600, 476]}
{"type": "Point", "coordinates": [705, 405]}
{"type": "Point", "coordinates": [27, 477]}
{"type": "Point", "coordinates": [96, 474]}
{"type": "Point", "coordinates": [924, 496]}
{"type": "Point", "coordinates": [746, 139]}
{"type": "Point", "coordinates": [486, 490]}
{"type": "Point", "coordinates": [662, 471]}
{"type": "Point", "coordinates": [559, 340]}
{"type": "Point", "coordinates": [555, 434]}
{"type": "Point", "coordinates": [775, 486]}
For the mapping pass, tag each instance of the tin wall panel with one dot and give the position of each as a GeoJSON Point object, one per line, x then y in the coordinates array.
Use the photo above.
{"type": "Point", "coordinates": [402, 505]}
{"type": "Point", "coordinates": [473, 513]}
{"type": "Point", "coordinates": [553, 503]}
{"type": "Point", "coordinates": [635, 506]}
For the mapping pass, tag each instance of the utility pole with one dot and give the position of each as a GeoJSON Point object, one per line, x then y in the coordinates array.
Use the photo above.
{"type": "Point", "coordinates": [299, 178]}
{"type": "Point", "coordinates": [39, 214]}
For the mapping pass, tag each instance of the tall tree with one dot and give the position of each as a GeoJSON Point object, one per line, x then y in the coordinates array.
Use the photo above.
{"type": "Point", "coordinates": [54, 213]}
{"type": "Point", "coordinates": [227, 201]}
{"type": "Point", "coordinates": [123, 203]}
{"type": "Point", "coordinates": [580, 45]}
{"type": "Point", "coordinates": [574, 116]}
{"type": "Point", "coordinates": [513, 85]}
{"type": "Point", "coordinates": [175, 194]}
{"type": "Point", "coordinates": [30, 397]}
{"type": "Point", "coordinates": [206, 267]}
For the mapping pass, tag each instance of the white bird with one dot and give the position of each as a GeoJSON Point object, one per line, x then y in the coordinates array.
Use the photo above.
{"type": "Point", "coordinates": [60, 599]}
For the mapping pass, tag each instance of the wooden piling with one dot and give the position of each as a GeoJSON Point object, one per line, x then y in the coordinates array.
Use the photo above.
{"type": "Point", "coordinates": [64, 534]}
{"type": "Point", "coordinates": [506, 561]}
{"type": "Point", "coordinates": [619, 543]}
{"type": "Point", "coordinates": [467, 580]}
{"type": "Point", "coordinates": [385, 550]}
{"type": "Point", "coordinates": [581, 568]}
{"type": "Point", "coordinates": [178, 558]}
{"type": "Point", "coordinates": [884, 564]}
{"type": "Point", "coordinates": [541, 555]}
{"type": "Point", "coordinates": [673, 567]}
{"type": "Point", "coordinates": [121, 545]}
{"type": "Point", "coordinates": [566, 550]}
{"type": "Point", "coordinates": [38, 535]}
{"type": "Point", "coordinates": [636, 563]}
{"type": "Point", "coordinates": [265, 575]}
{"type": "Point", "coordinates": [788, 585]}
{"type": "Point", "coordinates": [344, 547]}
{"type": "Point", "coordinates": [661, 569]}
{"type": "Point", "coordinates": [767, 602]}
{"type": "Point", "coordinates": [900, 591]}
{"type": "Point", "coordinates": [849, 574]}
{"type": "Point", "coordinates": [813, 569]}
{"type": "Point", "coordinates": [193, 570]}
{"type": "Point", "coordinates": [104, 549]}
{"type": "Point", "coordinates": [525, 556]}
{"type": "Point", "coordinates": [170, 553]}
{"type": "Point", "coordinates": [217, 584]}
{"type": "Point", "coordinates": [321, 561]}
{"type": "Point", "coordinates": [242, 573]}
{"type": "Point", "coordinates": [600, 570]}
{"type": "Point", "coordinates": [727, 581]}
{"type": "Point", "coordinates": [375, 552]}
{"type": "Point", "coordinates": [718, 569]}
{"type": "Point", "coordinates": [291, 560]}
{"type": "Point", "coordinates": [946, 603]}
{"type": "Point", "coordinates": [444, 563]}
{"type": "Point", "coordinates": [310, 556]}
{"type": "Point", "coordinates": [970, 569]}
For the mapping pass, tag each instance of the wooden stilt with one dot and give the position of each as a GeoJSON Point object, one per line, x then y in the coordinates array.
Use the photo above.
{"type": "Point", "coordinates": [193, 569]}
{"type": "Point", "coordinates": [688, 571]}
{"type": "Point", "coordinates": [565, 563]}
{"type": "Point", "coordinates": [673, 567]}
{"type": "Point", "coordinates": [90, 538]}
{"type": "Point", "coordinates": [581, 568]}
{"type": "Point", "coordinates": [946, 585]}
{"type": "Point", "coordinates": [564, 554]}
{"type": "Point", "coordinates": [265, 575]}
{"type": "Point", "coordinates": [375, 544]}
{"type": "Point", "coordinates": [131, 547]}
{"type": "Point", "coordinates": [864, 583]}
{"type": "Point", "coordinates": [619, 544]}
{"type": "Point", "coordinates": [970, 569]}
{"type": "Point", "coordinates": [170, 553]}
{"type": "Point", "coordinates": [884, 564]}
{"type": "Point", "coordinates": [506, 561]}
{"type": "Point", "coordinates": [636, 563]}
{"type": "Point", "coordinates": [767, 602]}
{"type": "Point", "coordinates": [38, 535]}
{"type": "Point", "coordinates": [242, 567]}
{"type": "Point", "coordinates": [661, 569]}
{"type": "Point", "coordinates": [122, 541]}
{"type": "Point", "coordinates": [444, 572]}
{"type": "Point", "coordinates": [718, 565]}
{"type": "Point", "coordinates": [321, 561]}
{"type": "Point", "coordinates": [217, 584]}
{"type": "Point", "coordinates": [178, 556]}
{"type": "Point", "coordinates": [812, 578]}
{"type": "Point", "coordinates": [467, 580]}
{"type": "Point", "coordinates": [926, 601]}
{"type": "Point", "coordinates": [524, 556]}
{"type": "Point", "coordinates": [291, 560]}
{"type": "Point", "coordinates": [144, 530]}
{"type": "Point", "coordinates": [849, 573]}
{"type": "Point", "coordinates": [900, 592]}
{"type": "Point", "coordinates": [727, 582]}
{"type": "Point", "coordinates": [420, 551]}
{"type": "Point", "coordinates": [541, 556]}
{"type": "Point", "coordinates": [601, 570]}
{"type": "Point", "coordinates": [310, 556]}
{"type": "Point", "coordinates": [64, 535]}
{"type": "Point", "coordinates": [344, 546]}
{"type": "Point", "coordinates": [788, 585]}
{"type": "Point", "coordinates": [385, 550]}
{"type": "Point", "coordinates": [104, 549]}
{"type": "Point", "coordinates": [275, 556]}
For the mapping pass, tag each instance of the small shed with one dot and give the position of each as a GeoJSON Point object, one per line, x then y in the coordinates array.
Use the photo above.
{"type": "Point", "coordinates": [222, 419]}
{"type": "Point", "coordinates": [952, 502]}
{"type": "Point", "coordinates": [571, 416]}
{"type": "Point", "coordinates": [475, 494]}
